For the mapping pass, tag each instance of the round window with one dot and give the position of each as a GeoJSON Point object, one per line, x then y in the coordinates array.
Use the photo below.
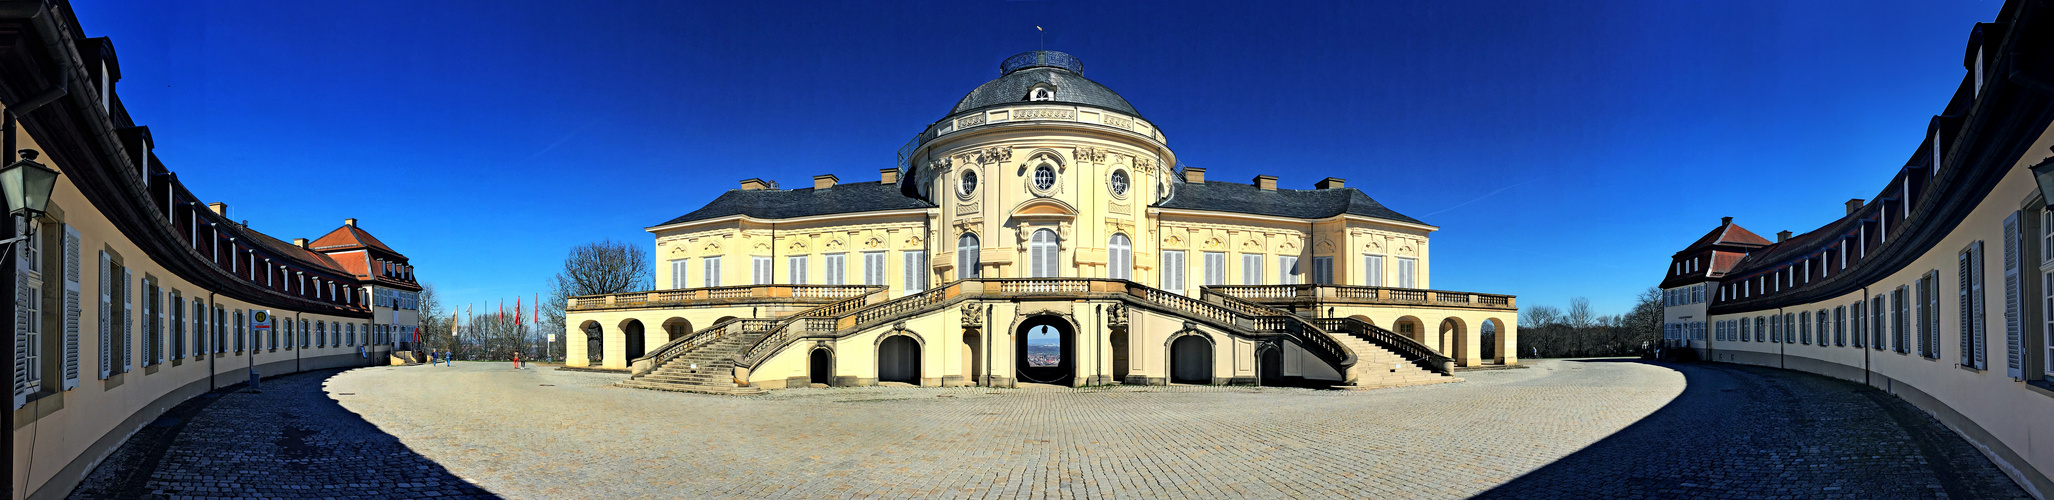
{"type": "Point", "coordinates": [1044, 177]}
{"type": "Point", "coordinates": [1119, 182]}
{"type": "Point", "coordinates": [969, 184]}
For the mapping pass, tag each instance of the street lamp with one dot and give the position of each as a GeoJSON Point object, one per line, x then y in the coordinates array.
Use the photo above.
{"type": "Point", "coordinates": [26, 185]}
{"type": "Point", "coordinates": [2044, 172]}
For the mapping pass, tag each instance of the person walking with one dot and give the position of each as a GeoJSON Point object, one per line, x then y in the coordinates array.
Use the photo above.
{"type": "Point", "coordinates": [517, 360]}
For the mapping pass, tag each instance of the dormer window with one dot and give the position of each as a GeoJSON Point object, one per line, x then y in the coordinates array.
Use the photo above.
{"type": "Point", "coordinates": [1041, 94]}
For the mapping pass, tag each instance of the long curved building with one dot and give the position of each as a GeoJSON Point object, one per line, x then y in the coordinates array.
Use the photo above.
{"type": "Point", "coordinates": [1040, 232]}
{"type": "Point", "coordinates": [1939, 288]}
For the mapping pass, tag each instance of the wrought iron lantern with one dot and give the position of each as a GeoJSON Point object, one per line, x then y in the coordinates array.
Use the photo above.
{"type": "Point", "coordinates": [26, 185]}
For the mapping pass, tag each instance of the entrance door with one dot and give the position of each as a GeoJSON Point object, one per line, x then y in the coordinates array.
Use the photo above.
{"type": "Point", "coordinates": [820, 367]}
{"type": "Point", "coordinates": [636, 344]}
{"type": "Point", "coordinates": [1273, 366]}
{"type": "Point", "coordinates": [1047, 352]}
{"type": "Point", "coordinates": [898, 360]}
{"type": "Point", "coordinates": [1191, 360]}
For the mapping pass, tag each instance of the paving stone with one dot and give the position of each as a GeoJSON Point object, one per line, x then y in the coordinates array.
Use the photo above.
{"type": "Point", "coordinates": [1562, 429]}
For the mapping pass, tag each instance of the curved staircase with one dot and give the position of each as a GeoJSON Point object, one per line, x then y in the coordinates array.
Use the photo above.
{"type": "Point", "coordinates": [708, 360]}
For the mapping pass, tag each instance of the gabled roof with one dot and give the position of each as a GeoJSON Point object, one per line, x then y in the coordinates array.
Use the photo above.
{"type": "Point", "coordinates": [804, 202]}
{"type": "Point", "coordinates": [349, 237]}
{"type": "Point", "coordinates": [1727, 234]}
{"type": "Point", "coordinates": [1294, 203]}
{"type": "Point", "coordinates": [282, 248]}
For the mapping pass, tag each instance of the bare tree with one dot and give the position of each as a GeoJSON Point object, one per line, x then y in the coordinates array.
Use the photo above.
{"type": "Point", "coordinates": [605, 267]}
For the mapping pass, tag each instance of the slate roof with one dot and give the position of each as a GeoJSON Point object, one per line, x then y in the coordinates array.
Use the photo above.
{"type": "Point", "coordinates": [280, 247]}
{"type": "Point", "coordinates": [1301, 204]}
{"type": "Point", "coordinates": [1070, 88]}
{"type": "Point", "coordinates": [804, 202]}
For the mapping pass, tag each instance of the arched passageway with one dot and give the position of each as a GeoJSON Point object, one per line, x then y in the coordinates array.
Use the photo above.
{"type": "Point", "coordinates": [637, 346]}
{"type": "Point", "coordinates": [1191, 360]}
{"type": "Point", "coordinates": [973, 359]}
{"type": "Point", "coordinates": [677, 328]}
{"type": "Point", "coordinates": [1047, 351]}
{"type": "Point", "coordinates": [898, 360]}
{"type": "Point", "coordinates": [595, 341]}
{"type": "Point", "coordinates": [820, 367]}
{"type": "Point", "coordinates": [1489, 341]}
{"type": "Point", "coordinates": [1120, 362]}
{"type": "Point", "coordinates": [1453, 339]}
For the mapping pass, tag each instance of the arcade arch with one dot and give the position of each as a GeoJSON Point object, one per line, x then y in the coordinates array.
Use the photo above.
{"type": "Point", "coordinates": [1190, 359]}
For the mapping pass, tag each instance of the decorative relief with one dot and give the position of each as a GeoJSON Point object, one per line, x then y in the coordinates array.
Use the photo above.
{"type": "Point", "coordinates": [973, 315]}
{"type": "Point", "coordinates": [913, 242]}
{"type": "Point", "coordinates": [1090, 154]}
{"type": "Point", "coordinates": [798, 245]}
{"type": "Point", "coordinates": [835, 245]}
{"type": "Point", "coordinates": [1325, 246]}
{"type": "Point", "coordinates": [1116, 315]}
{"type": "Point", "coordinates": [970, 121]}
{"type": "Point", "coordinates": [1045, 114]}
{"type": "Point", "coordinates": [1119, 122]}
{"type": "Point", "coordinates": [994, 154]}
{"type": "Point", "coordinates": [873, 243]}
{"type": "Point", "coordinates": [711, 248]}
{"type": "Point", "coordinates": [1213, 244]}
{"type": "Point", "coordinates": [1173, 242]}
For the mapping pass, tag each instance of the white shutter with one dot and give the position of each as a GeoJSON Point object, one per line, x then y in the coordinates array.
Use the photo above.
{"type": "Point", "coordinates": [22, 297]}
{"type": "Point", "coordinates": [712, 277]}
{"type": "Point", "coordinates": [106, 315]}
{"type": "Point", "coordinates": [2013, 298]}
{"type": "Point", "coordinates": [796, 266]}
{"type": "Point", "coordinates": [1373, 270]}
{"type": "Point", "coordinates": [1251, 269]}
{"type": "Point", "coordinates": [1173, 270]}
{"type": "Point", "coordinates": [72, 311]}
{"type": "Point", "coordinates": [128, 321]}
{"type": "Point", "coordinates": [677, 273]}
{"type": "Point", "coordinates": [157, 336]}
{"type": "Point", "coordinates": [915, 271]}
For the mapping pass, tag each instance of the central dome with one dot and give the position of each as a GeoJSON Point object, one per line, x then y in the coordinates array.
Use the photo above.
{"type": "Point", "coordinates": [1022, 73]}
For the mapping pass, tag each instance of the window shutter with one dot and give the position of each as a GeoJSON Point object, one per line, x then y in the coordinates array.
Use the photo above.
{"type": "Point", "coordinates": [128, 321]}
{"type": "Point", "coordinates": [2012, 297]}
{"type": "Point", "coordinates": [106, 315]}
{"type": "Point", "coordinates": [1981, 337]}
{"type": "Point", "coordinates": [72, 310]}
{"type": "Point", "coordinates": [157, 329]}
{"type": "Point", "coordinates": [21, 319]}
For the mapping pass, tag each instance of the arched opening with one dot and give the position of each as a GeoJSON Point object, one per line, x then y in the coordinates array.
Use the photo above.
{"type": "Point", "coordinates": [1048, 351]}
{"type": "Point", "coordinates": [637, 346]}
{"type": "Point", "coordinates": [898, 360]}
{"type": "Point", "coordinates": [1191, 360]}
{"type": "Point", "coordinates": [677, 327]}
{"type": "Point", "coordinates": [1453, 339]}
{"type": "Point", "coordinates": [1411, 328]}
{"type": "Point", "coordinates": [820, 366]}
{"type": "Point", "coordinates": [1041, 254]}
{"type": "Point", "coordinates": [973, 344]}
{"type": "Point", "coordinates": [595, 341]}
{"type": "Point", "coordinates": [1489, 348]}
{"type": "Point", "coordinates": [1119, 258]}
{"type": "Point", "coordinates": [1271, 366]}
{"type": "Point", "coordinates": [1364, 319]}
{"type": "Point", "coordinates": [966, 257]}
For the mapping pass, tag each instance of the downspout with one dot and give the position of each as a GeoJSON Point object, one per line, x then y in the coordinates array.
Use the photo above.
{"type": "Point", "coordinates": [213, 322]}
{"type": "Point", "coordinates": [1784, 341]}
{"type": "Point", "coordinates": [1098, 358]}
{"type": "Point", "coordinates": [1865, 373]}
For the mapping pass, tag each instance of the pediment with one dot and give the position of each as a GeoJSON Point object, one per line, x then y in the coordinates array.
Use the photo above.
{"type": "Point", "coordinates": [1044, 208]}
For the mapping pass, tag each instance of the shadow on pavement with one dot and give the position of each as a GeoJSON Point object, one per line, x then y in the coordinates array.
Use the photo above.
{"type": "Point", "coordinates": [1739, 431]}
{"type": "Point", "coordinates": [292, 440]}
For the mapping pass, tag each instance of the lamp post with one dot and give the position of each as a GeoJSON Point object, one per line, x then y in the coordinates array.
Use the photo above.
{"type": "Point", "coordinates": [26, 185]}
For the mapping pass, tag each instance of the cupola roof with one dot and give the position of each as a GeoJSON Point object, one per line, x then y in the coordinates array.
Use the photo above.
{"type": "Point", "coordinates": [1022, 73]}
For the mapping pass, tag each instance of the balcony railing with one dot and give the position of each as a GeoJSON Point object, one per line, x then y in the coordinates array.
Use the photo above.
{"type": "Point", "coordinates": [685, 296]}
{"type": "Point", "coordinates": [1365, 295]}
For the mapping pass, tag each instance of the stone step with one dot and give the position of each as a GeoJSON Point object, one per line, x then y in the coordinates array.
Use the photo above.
{"type": "Point", "coordinates": [725, 391]}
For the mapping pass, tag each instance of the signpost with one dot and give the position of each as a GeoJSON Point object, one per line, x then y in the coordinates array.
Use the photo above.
{"type": "Point", "coordinates": [549, 349]}
{"type": "Point", "coordinates": [260, 324]}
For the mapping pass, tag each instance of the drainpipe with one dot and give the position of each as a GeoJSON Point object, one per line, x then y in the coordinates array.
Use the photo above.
{"type": "Point", "coordinates": [987, 345]}
{"type": "Point", "coordinates": [1098, 358]}
{"type": "Point", "coordinates": [212, 322]}
{"type": "Point", "coordinates": [1865, 370]}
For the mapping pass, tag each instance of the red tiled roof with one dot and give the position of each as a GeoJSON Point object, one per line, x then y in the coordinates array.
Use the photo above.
{"type": "Point", "coordinates": [294, 251]}
{"type": "Point", "coordinates": [1727, 233]}
{"type": "Point", "coordinates": [349, 237]}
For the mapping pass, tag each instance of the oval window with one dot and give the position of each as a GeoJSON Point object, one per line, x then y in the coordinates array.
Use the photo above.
{"type": "Point", "coordinates": [969, 183]}
{"type": "Point", "coordinates": [1119, 182]}
{"type": "Point", "coordinates": [1044, 177]}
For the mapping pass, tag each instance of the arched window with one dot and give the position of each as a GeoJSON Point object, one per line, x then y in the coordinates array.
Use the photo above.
{"type": "Point", "coordinates": [1041, 253]}
{"type": "Point", "coordinates": [1120, 258]}
{"type": "Point", "coordinates": [1042, 94]}
{"type": "Point", "coordinates": [966, 257]}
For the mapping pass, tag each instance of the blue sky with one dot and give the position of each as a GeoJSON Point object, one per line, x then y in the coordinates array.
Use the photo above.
{"type": "Point", "coordinates": [1564, 150]}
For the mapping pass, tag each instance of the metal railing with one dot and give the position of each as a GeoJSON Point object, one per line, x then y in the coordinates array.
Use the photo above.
{"type": "Point", "coordinates": [1276, 321]}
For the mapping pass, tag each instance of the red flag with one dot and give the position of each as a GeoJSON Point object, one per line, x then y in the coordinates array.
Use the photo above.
{"type": "Point", "coordinates": [517, 310]}
{"type": "Point", "coordinates": [537, 318]}
{"type": "Point", "coordinates": [502, 310]}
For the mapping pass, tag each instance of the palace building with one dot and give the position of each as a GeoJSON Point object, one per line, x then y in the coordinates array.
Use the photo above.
{"type": "Point", "coordinates": [1939, 288]}
{"type": "Point", "coordinates": [1040, 232]}
{"type": "Point", "coordinates": [133, 293]}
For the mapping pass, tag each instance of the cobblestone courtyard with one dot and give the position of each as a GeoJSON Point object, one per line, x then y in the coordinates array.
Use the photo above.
{"type": "Point", "coordinates": [1569, 429]}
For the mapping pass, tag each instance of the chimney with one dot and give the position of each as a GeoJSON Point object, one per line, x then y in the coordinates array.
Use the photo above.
{"type": "Point", "coordinates": [825, 181]}
{"type": "Point", "coordinates": [1782, 235]}
{"type": "Point", "coordinates": [1724, 221]}
{"type": "Point", "coordinates": [219, 208]}
{"type": "Point", "coordinates": [1330, 183]}
{"type": "Point", "coordinates": [753, 184]}
{"type": "Point", "coordinates": [1194, 175]}
{"type": "Point", "coordinates": [888, 176]}
{"type": "Point", "coordinates": [1853, 206]}
{"type": "Point", "coordinates": [351, 222]}
{"type": "Point", "coordinates": [1266, 182]}
{"type": "Point", "coordinates": [299, 242]}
